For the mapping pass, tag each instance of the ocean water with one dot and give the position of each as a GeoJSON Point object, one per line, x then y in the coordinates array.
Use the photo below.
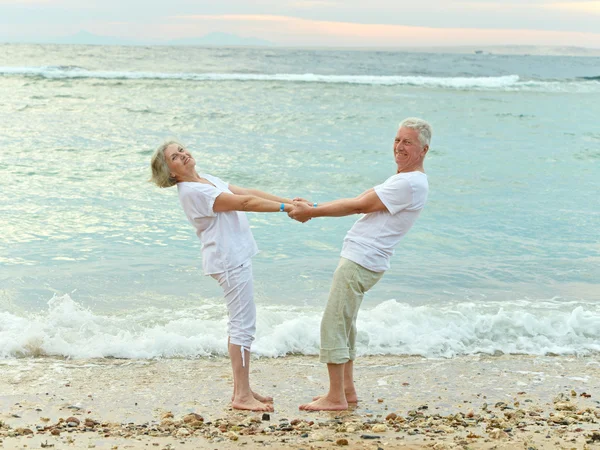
{"type": "Point", "coordinates": [97, 262]}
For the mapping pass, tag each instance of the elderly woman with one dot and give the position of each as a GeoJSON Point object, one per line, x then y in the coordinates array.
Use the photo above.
{"type": "Point", "coordinates": [215, 209]}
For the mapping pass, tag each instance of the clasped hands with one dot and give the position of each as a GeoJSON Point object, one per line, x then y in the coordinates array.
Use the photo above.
{"type": "Point", "coordinates": [301, 210]}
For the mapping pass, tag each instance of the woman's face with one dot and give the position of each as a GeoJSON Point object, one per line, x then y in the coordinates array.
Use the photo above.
{"type": "Point", "coordinates": [179, 160]}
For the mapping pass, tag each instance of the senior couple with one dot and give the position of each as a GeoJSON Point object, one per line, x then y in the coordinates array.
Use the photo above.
{"type": "Point", "coordinates": [216, 210]}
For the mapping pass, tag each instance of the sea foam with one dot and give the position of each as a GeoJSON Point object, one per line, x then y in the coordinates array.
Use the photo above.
{"type": "Point", "coordinates": [68, 329]}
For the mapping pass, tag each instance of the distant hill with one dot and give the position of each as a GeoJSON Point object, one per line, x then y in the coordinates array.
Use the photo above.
{"type": "Point", "coordinates": [231, 40]}
{"type": "Point", "coordinates": [86, 38]}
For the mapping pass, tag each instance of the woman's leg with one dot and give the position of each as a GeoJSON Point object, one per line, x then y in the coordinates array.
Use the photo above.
{"type": "Point", "coordinates": [237, 285]}
{"type": "Point", "coordinates": [256, 395]}
{"type": "Point", "coordinates": [243, 397]}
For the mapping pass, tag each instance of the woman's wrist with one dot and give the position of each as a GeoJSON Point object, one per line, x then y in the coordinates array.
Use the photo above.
{"type": "Point", "coordinates": [285, 207]}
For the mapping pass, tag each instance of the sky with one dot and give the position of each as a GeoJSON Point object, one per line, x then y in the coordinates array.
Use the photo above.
{"type": "Point", "coordinates": [331, 23]}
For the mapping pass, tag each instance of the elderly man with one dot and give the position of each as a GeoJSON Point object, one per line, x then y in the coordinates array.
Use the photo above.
{"type": "Point", "coordinates": [390, 209]}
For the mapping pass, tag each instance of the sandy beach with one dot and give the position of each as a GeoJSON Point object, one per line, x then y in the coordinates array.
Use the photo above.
{"type": "Point", "coordinates": [485, 402]}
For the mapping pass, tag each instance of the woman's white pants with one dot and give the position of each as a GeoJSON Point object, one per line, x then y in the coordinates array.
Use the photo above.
{"type": "Point", "coordinates": [238, 288]}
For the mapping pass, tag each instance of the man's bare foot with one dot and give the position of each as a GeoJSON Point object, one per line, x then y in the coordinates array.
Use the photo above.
{"type": "Point", "coordinates": [351, 397]}
{"type": "Point", "coordinates": [325, 404]}
{"type": "Point", "coordinates": [260, 398]}
{"type": "Point", "coordinates": [251, 404]}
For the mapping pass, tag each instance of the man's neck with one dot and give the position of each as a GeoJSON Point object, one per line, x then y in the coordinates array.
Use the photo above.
{"type": "Point", "coordinates": [410, 169]}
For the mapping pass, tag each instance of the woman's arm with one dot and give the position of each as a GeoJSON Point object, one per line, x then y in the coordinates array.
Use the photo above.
{"type": "Point", "coordinates": [256, 193]}
{"type": "Point", "coordinates": [250, 203]}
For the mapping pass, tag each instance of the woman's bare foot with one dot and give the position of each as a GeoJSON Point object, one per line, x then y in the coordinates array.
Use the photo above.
{"type": "Point", "coordinates": [260, 398]}
{"type": "Point", "coordinates": [351, 397]}
{"type": "Point", "coordinates": [324, 403]}
{"type": "Point", "coordinates": [251, 404]}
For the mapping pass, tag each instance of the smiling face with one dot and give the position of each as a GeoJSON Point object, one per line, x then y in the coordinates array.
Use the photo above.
{"type": "Point", "coordinates": [180, 161]}
{"type": "Point", "coordinates": [409, 153]}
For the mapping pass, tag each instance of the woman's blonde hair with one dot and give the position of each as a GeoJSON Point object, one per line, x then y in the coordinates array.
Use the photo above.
{"type": "Point", "coordinates": [161, 174]}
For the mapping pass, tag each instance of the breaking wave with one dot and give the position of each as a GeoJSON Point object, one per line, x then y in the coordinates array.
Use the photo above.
{"type": "Point", "coordinates": [507, 82]}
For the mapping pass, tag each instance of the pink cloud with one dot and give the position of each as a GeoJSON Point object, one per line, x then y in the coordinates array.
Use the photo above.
{"type": "Point", "coordinates": [589, 7]}
{"type": "Point", "coordinates": [297, 31]}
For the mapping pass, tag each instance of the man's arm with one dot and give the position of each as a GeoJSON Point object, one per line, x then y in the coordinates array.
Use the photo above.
{"type": "Point", "coordinates": [250, 203]}
{"type": "Point", "coordinates": [367, 202]}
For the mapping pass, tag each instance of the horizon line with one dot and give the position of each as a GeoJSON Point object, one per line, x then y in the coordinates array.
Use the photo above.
{"type": "Point", "coordinates": [273, 45]}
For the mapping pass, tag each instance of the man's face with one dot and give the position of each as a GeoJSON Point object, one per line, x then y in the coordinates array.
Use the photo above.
{"type": "Point", "coordinates": [408, 151]}
{"type": "Point", "coordinates": [179, 160]}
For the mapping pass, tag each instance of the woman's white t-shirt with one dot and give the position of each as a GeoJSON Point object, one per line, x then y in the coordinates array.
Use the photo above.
{"type": "Point", "coordinates": [371, 240]}
{"type": "Point", "coordinates": [227, 241]}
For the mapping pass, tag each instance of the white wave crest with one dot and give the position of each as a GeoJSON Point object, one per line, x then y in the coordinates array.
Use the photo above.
{"type": "Point", "coordinates": [506, 82]}
{"type": "Point", "coordinates": [68, 329]}
{"type": "Point", "coordinates": [59, 72]}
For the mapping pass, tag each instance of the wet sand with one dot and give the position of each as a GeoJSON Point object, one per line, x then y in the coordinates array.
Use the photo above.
{"type": "Point", "coordinates": [503, 402]}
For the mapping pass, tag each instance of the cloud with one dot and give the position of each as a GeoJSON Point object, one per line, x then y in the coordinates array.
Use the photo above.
{"type": "Point", "coordinates": [310, 4]}
{"type": "Point", "coordinates": [492, 6]}
{"type": "Point", "coordinates": [380, 23]}
{"type": "Point", "coordinates": [237, 17]}
{"type": "Point", "coordinates": [591, 7]}
{"type": "Point", "coordinates": [26, 2]}
{"type": "Point", "coordinates": [299, 31]}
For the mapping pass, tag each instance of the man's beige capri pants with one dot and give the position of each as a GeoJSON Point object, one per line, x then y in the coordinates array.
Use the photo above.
{"type": "Point", "coordinates": [338, 326]}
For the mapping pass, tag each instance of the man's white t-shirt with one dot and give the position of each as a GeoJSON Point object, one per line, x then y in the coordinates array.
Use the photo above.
{"type": "Point", "coordinates": [371, 240]}
{"type": "Point", "coordinates": [227, 241]}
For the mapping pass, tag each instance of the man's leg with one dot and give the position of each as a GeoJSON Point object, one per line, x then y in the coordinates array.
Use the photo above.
{"type": "Point", "coordinates": [349, 389]}
{"type": "Point", "coordinates": [362, 280]}
{"type": "Point", "coordinates": [335, 399]}
{"type": "Point", "coordinates": [365, 280]}
{"type": "Point", "coordinates": [344, 298]}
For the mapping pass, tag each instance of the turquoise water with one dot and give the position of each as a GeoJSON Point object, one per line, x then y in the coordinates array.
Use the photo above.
{"type": "Point", "coordinates": [90, 250]}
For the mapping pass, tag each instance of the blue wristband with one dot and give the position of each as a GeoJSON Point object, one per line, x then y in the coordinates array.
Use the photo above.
{"type": "Point", "coordinates": [315, 205]}
{"type": "Point", "coordinates": [282, 207]}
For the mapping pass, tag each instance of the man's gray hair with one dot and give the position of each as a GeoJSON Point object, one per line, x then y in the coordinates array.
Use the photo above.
{"type": "Point", "coordinates": [422, 127]}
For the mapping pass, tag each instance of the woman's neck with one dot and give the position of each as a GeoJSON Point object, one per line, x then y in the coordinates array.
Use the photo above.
{"type": "Point", "coordinates": [190, 177]}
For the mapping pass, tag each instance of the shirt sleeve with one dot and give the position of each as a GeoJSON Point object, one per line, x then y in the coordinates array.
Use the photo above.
{"type": "Point", "coordinates": [199, 202]}
{"type": "Point", "coordinates": [395, 194]}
